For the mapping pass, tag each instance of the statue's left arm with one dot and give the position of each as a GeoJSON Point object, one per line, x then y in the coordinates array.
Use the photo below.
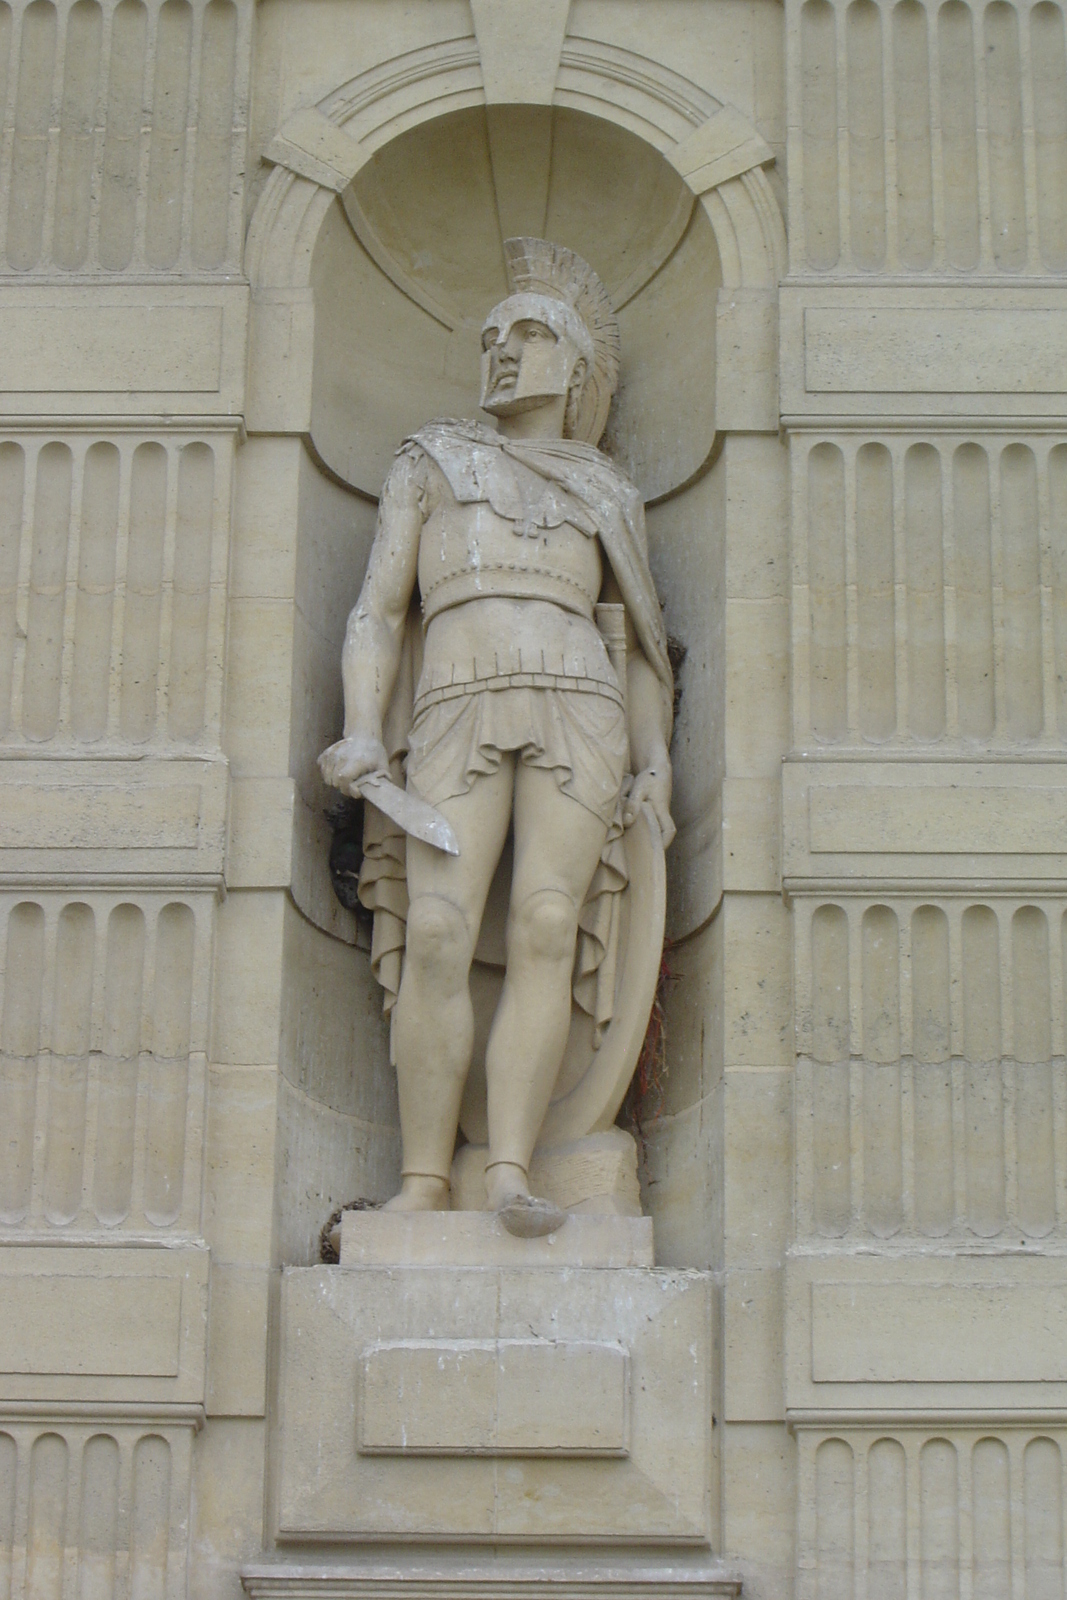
{"type": "Point", "coordinates": [649, 737]}
{"type": "Point", "coordinates": [648, 714]}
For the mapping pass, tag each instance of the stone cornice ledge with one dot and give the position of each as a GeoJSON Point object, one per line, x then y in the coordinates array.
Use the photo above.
{"type": "Point", "coordinates": [148, 1413]}
{"type": "Point", "coordinates": [444, 1579]}
{"type": "Point", "coordinates": [829, 1418]}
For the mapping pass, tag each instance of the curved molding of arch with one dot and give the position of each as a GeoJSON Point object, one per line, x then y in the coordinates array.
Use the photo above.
{"type": "Point", "coordinates": [320, 149]}
{"type": "Point", "coordinates": [656, 103]}
{"type": "Point", "coordinates": [722, 161]}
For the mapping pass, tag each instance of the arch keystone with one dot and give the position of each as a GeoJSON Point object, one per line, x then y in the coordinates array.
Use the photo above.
{"type": "Point", "coordinates": [520, 43]}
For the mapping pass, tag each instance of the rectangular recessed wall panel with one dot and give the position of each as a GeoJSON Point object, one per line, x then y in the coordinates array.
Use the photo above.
{"type": "Point", "coordinates": [922, 351]}
{"type": "Point", "coordinates": [493, 1397]}
{"type": "Point", "coordinates": [895, 1333]}
{"type": "Point", "coordinates": [85, 1327]}
{"type": "Point", "coordinates": [894, 819]}
{"type": "Point", "coordinates": [88, 817]}
{"type": "Point", "coordinates": [170, 349]}
{"type": "Point", "coordinates": [955, 1333]}
{"type": "Point", "coordinates": [84, 816]}
{"type": "Point", "coordinates": [867, 821]}
{"type": "Point", "coordinates": [919, 351]}
{"type": "Point", "coordinates": [98, 1327]}
{"type": "Point", "coordinates": [112, 349]}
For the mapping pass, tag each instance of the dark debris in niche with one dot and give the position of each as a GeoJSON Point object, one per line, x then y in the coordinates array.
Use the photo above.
{"type": "Point", "coordinates": [330, 1233]}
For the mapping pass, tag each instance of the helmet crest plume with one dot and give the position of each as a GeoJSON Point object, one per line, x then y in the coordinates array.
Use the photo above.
{"type": "Point", "coordinates": [536, 266]}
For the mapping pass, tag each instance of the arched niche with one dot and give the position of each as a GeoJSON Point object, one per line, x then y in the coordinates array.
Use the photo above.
{"type": "Point", "coordinates": [409, 260]}
{"type": "Point", "coordinates": [374, 253]}
{"type": "Point", "coordinates": [404, 264]}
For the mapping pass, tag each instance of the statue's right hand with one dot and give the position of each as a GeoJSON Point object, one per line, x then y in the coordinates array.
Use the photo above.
{"type": "Point", "coordinates": [349, 760]}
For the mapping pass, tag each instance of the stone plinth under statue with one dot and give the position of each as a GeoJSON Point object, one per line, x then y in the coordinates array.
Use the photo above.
{"type": "Point", "coordinates": [500, 1402]}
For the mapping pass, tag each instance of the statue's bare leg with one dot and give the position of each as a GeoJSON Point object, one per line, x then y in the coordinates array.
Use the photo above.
{"type": "Point", "coordinates": [434, 1026]}
{"type": "Point", "coordinates": [557, 848]}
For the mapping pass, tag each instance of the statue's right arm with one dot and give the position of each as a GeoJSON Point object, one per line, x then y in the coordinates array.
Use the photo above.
{"type": "Point", "coordinates": [375, 635]}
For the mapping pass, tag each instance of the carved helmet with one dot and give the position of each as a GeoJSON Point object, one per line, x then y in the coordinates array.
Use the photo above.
{"type": "Point", "coordinates": [537, 267]}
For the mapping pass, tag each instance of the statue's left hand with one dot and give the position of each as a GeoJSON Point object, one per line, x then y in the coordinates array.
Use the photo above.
{"type": "Point", "coordinates": [654, 786]}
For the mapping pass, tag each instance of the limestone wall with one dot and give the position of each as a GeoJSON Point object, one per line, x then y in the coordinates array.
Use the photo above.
{"type": "Point", "coordinates": [927, 725]}
{"type": "Point", "coordinates": [121, 220]}
{"type": "Point", "coordinates": [837, 235]}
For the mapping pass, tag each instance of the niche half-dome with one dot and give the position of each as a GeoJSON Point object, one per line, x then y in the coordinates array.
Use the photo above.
{"type": "Point", "coordinates": [410, 259]}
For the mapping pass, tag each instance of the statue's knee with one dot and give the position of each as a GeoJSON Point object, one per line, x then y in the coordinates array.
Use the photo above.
{"type": "Point", "coordinates": [437, 937]}
{"type": "Point", "coordinates": [545, 925]}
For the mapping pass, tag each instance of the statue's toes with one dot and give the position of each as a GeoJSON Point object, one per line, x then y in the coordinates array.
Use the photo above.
{"type": "Point", "coordinates": [529, 1217]}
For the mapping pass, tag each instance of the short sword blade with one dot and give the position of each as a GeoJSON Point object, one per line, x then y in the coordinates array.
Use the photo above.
{"type": "Point", "coordinates": [422, 821]}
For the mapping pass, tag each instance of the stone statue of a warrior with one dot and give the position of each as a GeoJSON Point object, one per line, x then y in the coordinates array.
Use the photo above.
{"type": "Point", "coordinates": [511, 540]}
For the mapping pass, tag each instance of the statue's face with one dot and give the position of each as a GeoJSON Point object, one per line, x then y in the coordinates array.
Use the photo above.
{"type": "Point", "coordinates": [530, 354]}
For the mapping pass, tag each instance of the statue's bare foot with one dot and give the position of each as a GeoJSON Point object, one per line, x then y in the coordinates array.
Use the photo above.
{"type": "Point", "coordinates": [523, 1214]}
{"type": "Point", "coordinates": [419, 1193]}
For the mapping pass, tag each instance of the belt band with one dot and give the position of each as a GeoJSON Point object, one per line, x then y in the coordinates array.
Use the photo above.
{"type": "Point", "coordinates": [516, 680]}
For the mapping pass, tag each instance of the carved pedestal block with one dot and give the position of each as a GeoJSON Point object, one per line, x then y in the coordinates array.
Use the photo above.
{"type": "Point", "coordinates": [494, 1403]}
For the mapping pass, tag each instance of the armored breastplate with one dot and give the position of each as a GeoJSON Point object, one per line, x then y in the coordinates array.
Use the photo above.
{"type": "Point", "coordinates": [469, 552]}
